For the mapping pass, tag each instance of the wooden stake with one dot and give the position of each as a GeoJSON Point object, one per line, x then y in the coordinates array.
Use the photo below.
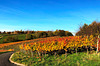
{"type": "Point", "coordinates": [97, 43]}
{"type": "Point", "coordinates": [65, 53]}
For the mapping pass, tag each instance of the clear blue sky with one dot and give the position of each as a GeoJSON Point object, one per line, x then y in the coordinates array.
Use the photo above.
{"type": "Point", "coordinates": [47, 14]}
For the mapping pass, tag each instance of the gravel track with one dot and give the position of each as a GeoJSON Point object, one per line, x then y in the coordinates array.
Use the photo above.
{"type": "Point", "coordinates": [4, 59]}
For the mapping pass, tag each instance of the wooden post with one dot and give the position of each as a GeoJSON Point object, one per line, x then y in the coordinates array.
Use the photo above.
{"type": "Point", "coordinates": [76, 51]}
{"type": "Point", "coordinates": [42, 56]}
{"type": "Point", "coordinates": [55, 54]}
{"type": "Point", "coordinates": [31, 53]}
{"type": "Point", "coordinates": [87, 45]}
{"type": "Point", "coordinates": [65, 53]}
{"type": "Point", "coordinates": [97, 43]}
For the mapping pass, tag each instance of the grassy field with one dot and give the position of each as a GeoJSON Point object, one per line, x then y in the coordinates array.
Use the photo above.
{"type": "Point", "coordinates": [30, 57]}
{"type": "Point", "coordinates": [4, 36]}
{"type": "Point", "coordinates": [82, 59]}
{"type": "Point", "coordinates": [4, 52]}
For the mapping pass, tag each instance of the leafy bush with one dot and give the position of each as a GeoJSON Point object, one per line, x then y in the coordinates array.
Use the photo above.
{"type": "Point", "coordinates": [11, 39]}
{"type": "Point", "coordinates": [1, 37]}
{"type": "Point", "coordinates": [29, 36]}
{"type": "Point", "coordinates": [34, 36]}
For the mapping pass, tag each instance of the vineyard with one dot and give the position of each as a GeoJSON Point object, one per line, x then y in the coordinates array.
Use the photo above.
{"type": "Point", "coordinates": [12, 45]}
{"type": "Point", "coordinates": [42, 50]}
{"type": "Point", "coordinates": [59, 44]}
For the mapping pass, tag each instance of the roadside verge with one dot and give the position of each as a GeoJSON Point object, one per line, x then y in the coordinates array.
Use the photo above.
{"type": "Point", "coordinates": [15, 62]}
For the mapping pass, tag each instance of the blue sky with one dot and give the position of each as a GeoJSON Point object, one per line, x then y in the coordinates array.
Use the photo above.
{"type": "Point", "coordinates": [47, 14]}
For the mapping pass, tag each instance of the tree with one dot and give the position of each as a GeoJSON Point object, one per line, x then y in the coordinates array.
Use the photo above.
{"type": "Point", "coordinates": [41, 34]}
{"type": "Point", "coordinates": [8, 32]}
{"type": "Point", "coordinates": [69, 34]}
{"type": "Point", "coordinates": [21, 32]}
{"type": "Point", "coordinates": [56, 33]}
{"type": "Point", "coordinates": [92, 29]}
{"type": "Point", "coordinates": [59, 33]}
{"type": "Point", "coordinates": [4, 32]}
{"type": "Point", "coordinates": [50, 33]}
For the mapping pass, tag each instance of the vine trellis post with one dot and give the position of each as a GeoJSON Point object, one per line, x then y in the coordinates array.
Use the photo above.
{"type": "Point", "coordinates": [97, 43]}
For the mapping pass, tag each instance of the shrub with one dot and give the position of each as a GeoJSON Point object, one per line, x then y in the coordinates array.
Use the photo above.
{"type": "Point", "coordinates": [29, 36]}
{"type": "Point", "coordinates": [15, 37]}
{"type": "Point", "coordinates": [11, 39]}
{"type": "Point", "coordinates": [34, 36]}
{"type": "Point", "coordinates": [5, 40]}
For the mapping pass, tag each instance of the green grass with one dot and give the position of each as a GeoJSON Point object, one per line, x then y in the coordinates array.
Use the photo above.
{"type": "Point", "coordinates": [4, 52]}
{"type": "Point", "coordinates": [21, 37]}
{"type": "Point", "coordinates": [82, 59]}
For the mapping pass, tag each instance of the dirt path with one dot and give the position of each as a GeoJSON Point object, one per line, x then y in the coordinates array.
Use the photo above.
{"type": "Point", "coordinates": [4, 59]}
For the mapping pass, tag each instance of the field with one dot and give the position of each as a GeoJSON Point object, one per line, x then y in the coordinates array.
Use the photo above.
{"type": "Point", "coordinates": [49, 33]}
{"type": "Point", "coordinates": [55, 51]}
{"type": "Point", "coordinates": [15, 45]}
{"type": "Point", "coordinates": [82, 59]}
{"type": "Point", "coordinates": [1, 52]}
{"type": "Point", "coordinates": [4, 36]}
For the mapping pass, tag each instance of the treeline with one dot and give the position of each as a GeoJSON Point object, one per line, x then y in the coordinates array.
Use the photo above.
{"type": "Point", "coordinates": [92, 29]}
{"type": "Point", "coordinates": [47, 33]}
{"type": "Point", "coordinates": [17, 32]}
{"type": "Point", "coordinates": [43, 34]}
{"type": "Point", "coordinates": [39, 33]}
{"type": "Point", "coordinates": [34, 34]}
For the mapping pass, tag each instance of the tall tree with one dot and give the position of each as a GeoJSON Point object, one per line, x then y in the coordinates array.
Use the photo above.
{"type": "Point", "coordinates": [92, 29]}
